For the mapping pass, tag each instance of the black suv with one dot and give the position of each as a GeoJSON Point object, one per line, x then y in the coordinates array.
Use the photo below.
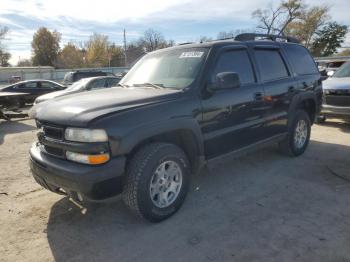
{"type": "Point", "coordinates": [176, 109]}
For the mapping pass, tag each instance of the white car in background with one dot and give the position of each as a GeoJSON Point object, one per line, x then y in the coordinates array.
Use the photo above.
{"type": "Point", "coordinates": [336, 95]}
{"type": "Point", "coordinates": [85, 84]}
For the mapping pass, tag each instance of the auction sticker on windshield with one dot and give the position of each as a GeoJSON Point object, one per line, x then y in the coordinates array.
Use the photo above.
{"type": "Point", "coordinates": [191, 54]}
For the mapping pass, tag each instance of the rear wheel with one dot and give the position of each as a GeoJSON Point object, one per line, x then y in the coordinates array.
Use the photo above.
{"type": "Point", "coordinates": [157, 181]}
{"type": "Point", "coordinates": [298, 136]}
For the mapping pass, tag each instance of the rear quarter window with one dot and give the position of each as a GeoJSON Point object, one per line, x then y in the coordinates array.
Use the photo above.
{"type": "Point", "coordinates": [301, 60]}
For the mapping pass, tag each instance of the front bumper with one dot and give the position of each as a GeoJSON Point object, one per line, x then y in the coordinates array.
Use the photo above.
{"type": "Point", "coordinates": [92, 182]}
{"type": "Point", "coordinates": [335, 111]}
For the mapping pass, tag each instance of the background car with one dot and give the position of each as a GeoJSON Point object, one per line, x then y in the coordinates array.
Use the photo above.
{"type": "Point", "coordinates": [74, 76]}
{"type": "Point", "coordinates": [336, 95]}
{"type": "Point", "coordinates": [85, 84]}
{"type": "Point", "coordinates": [33, 88]}
{"type": "Point", "coordinates": [329, 65]}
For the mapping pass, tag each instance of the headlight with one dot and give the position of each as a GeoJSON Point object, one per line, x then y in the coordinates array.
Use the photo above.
{"type": "Point", "coordinates": [86, 135]}
{"type": "Point", "coordinates": [88, 159]}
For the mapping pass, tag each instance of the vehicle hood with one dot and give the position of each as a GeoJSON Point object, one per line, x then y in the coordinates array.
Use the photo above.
{"type": "Point", "coordinates": [53, 95]}
{"type": "Point", "coordinates": [79, 109]}
{"type": "Point", "coordinates": [337, 83]}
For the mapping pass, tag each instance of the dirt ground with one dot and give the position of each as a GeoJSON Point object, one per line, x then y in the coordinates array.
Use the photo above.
{"type": "Point", "coordinates": [259, 207]}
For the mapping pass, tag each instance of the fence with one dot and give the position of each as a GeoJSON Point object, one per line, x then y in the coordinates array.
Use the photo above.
{"type": "Point", "coordinates": [47, 72]}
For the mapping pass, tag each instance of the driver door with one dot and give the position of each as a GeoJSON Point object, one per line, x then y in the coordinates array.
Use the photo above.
{"type": "Point", "coordinates": [232, 118]}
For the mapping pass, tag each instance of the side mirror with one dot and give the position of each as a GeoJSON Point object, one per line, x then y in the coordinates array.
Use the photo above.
{"type": "Point", "coordinates": [330, 73]}
{"type": "Point", "coordinates": [227, 80]}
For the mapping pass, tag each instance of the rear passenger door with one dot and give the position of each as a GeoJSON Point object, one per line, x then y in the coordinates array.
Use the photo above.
{"type": "Point", "coordinates": [232, 117]}
{"type": "Point", "coordinates": [279, 86]}
{"type": "Point", "coordinates": [305, 70]}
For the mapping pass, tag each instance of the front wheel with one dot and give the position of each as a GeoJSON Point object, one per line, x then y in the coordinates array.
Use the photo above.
{"type": "Point", "coordinates": [157, 181]}
{"type": "Point", "coordinates": [298, 136]}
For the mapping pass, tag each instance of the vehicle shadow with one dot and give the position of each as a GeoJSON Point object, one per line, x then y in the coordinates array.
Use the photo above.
{"type": "Point", "coordinates": [13, 127]}
{"type": "Point", "coordinates": [248, 208]}
{"type": "Point", "coordinates": [341, 125]}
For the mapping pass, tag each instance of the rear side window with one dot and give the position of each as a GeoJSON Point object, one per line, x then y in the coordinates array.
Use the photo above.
{"type": "Point", "coordinates": [271, 64]}
{"type": "Point", "coordinates": [28, 85]}
{"type": "Point", "coordinates": [47, 85]}
{"type": "Point", "coordinates": [301, 60]}
{"type": "Point", "coordinates": [236, 61]}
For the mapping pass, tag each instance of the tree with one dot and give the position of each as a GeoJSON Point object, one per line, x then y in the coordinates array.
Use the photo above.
{"type": "Point", "coordinates": [45, 47]}
{"type": "Point", "coordinates": [226, 34]}
{"type": "Point", "coordinates": [97, 50]}
{"type": "Point", "coordinates": [310, 21]}
{"type": "Point", "coordinates": [24, 62]}
{"type": "Point", "coordinates": [134, 51]}
{"type": "Point", "coordinates": [203, 39]}
{"type": "Point", "coordinates": [116, 55]}
{"type": "Point", "coordinates": [70, 57]}
{"type": "Point", "coordinates": [345, 52]}
{"type": "Point", "coordinates": [4, 56]}
{"type": "Point", "coordinates": [274, 20]}
{"type": "Point", "coordinates": [328, 39]}
{"type": "Point", "coordinates": [153, 40]}
{"type": "Point", "coordinates": [232, 33]}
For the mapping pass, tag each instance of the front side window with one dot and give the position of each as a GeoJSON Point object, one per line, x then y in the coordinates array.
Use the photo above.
{"type": "Point", "coordinates": [236, 61]}
{"type": "Point", "coordinates": [28, 85]}
{"type": "Point", "coordinates": [176, 68]}
{"type": "Point", "coordinates": [113, 82]}
{"type": "Point", "coordinates": [271, 64]}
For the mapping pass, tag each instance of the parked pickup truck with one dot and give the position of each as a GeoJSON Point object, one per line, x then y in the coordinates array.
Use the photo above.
{"type": "Point", "coordinates": [175, 110]}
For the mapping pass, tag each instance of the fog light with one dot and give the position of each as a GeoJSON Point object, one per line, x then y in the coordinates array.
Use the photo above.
{"type": "Point", "coordinates": [88, 159]}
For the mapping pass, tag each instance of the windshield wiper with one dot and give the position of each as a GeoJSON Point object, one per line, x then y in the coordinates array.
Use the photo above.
{"type": "Point", "coordinates": [122, 85]}
{"type": "Point", "coordinates": [158, 86]}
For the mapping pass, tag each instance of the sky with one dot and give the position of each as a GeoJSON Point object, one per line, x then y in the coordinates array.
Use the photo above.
{"type": "Point", "coordinates": [179, 20]}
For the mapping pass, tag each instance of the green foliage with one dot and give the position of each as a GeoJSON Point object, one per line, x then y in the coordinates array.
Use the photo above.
{"type": "Point", "coordinates": [328, 39]}
{"type": "Point", "coordinates": [70, 57]}
{"type": "Point", "coordinates": [97, 50]}
{"type": "Point", "coordinates": [345, 52]}
{"type": "Point", "coordinates": [25, 62]}
{"type": "Point", "coordinates": [4, 58]}
{"type": "Point", "coordinates": [116, 55]}
{"type": "Point", "coordinates": [45, 47]}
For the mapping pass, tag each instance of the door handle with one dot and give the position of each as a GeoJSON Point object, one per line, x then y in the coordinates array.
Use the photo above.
{"type": "Point", "coordinates": [258, 96]}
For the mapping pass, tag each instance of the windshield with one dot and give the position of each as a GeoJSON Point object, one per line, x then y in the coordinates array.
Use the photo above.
{"type": "Point", "coordinates": [166, 69]}
{"type": "Point", "coordinates": [343, 71]}
{"type": "Point", "coordinates": [77, 85]}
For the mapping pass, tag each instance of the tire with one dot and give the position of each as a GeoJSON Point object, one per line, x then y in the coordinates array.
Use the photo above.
{"type": "Point", "coordinates": [146, 175]}
{"type": "Point", "coordinates": [295, 142]}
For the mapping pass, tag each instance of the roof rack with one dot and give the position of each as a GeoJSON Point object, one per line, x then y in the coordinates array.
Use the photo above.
{"type": "Point", "coordinates": [276, 38]}
{"type": "Point", "coordinates": [186, 43]}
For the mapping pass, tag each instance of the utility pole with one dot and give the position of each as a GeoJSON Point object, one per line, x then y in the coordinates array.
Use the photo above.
{"type": "Point", "coordinates": [125, 57]}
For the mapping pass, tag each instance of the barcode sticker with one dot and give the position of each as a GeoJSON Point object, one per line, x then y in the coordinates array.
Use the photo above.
{"type": "Point", "coordinates": [191, 54]}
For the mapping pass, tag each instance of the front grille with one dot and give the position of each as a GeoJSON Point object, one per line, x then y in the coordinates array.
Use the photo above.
{"type": "Point", "coordinates": [53, 132]}
{"type": "Point", "coordinates": [337, 97]}
{"type": "Point", "coordinates": [54, 151]}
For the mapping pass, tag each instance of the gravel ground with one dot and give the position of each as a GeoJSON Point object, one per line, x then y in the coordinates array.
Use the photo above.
{"type": "Point", "coordinates": [262, 206]}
